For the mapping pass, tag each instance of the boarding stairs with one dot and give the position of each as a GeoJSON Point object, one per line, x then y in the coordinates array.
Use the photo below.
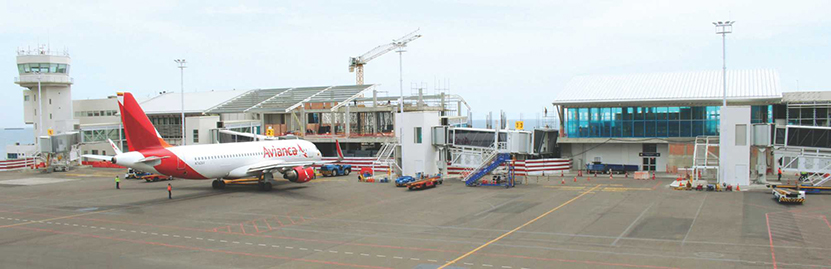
{"type": "Point", "coordinates": [705, 158]}
{"type": "Point", "coordinates": [384, 158]}
{"type": "Point", "coordinates": [815, 162]}
{"type": "Point", "coordinates": [491, 162]}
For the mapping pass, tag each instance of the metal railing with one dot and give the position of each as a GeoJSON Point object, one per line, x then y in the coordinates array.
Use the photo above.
{"type": "Point", "coordinates": [44, 79]}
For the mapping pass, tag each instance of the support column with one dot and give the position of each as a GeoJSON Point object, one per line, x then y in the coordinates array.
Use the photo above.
{"type": "Point", "coordinates": [347, 120]}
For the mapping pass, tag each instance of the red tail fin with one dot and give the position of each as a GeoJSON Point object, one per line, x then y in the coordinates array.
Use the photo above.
{"type": "Point", "coordinates": [137, 127]}
{"type": "Point", "coordinates": [340, 153]}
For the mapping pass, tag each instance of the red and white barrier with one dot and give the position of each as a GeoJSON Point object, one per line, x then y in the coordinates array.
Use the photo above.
{"type": "Point", "coordinates": [357, 163]}
{"type": "Point", "coordinates": [535, 167]}
{"type": "Point", "coordinates": [9, 165]}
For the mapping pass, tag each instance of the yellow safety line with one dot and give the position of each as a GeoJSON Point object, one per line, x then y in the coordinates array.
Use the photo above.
{"type": "Point", "coordinates": [517, 228]}
{"type": "Point", "coordinates": [64, 217]}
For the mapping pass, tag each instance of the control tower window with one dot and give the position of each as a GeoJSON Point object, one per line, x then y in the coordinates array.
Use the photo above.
{"type": "Point", "coordinates": [42, 68]}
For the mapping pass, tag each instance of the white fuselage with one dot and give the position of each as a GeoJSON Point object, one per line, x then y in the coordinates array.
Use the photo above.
{"type": "Point", "coordinates": [230, 160]}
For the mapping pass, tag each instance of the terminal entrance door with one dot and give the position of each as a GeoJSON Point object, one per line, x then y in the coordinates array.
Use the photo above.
{"type": "Point", "coordinates": [648, 164]}
{"type": "Point", "coordinates": [649, 154]}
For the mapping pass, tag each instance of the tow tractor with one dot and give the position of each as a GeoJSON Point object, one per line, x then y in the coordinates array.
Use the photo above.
{"type": "Point", "coordinates": [133, 173]}
{"type": "Point", "coordinates": [784, 195]}
{"type": "Point", "coordinates": [331, 170]}
{"type": "Point", "coordinates": [429, 182]}
{"type": "Point", "coordinates": [155, 177]}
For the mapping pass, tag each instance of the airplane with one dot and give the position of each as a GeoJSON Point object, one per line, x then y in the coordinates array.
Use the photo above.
{"type": "Point", "coordinates": [261, 159]}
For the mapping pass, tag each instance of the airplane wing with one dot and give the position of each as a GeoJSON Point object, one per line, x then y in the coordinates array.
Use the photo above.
{"type": "Point", "coordinates": [98, 157]}
{"type": "Point", "coordinates": [277, 164]}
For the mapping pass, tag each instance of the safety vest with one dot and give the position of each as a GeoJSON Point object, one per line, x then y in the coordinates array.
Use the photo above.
{"type": "Point", "coordinates": [780, 171]}
{"type": "Point", "coordinates": [117, 179]}
{"type": "Point", "coordinates": [169, 188]}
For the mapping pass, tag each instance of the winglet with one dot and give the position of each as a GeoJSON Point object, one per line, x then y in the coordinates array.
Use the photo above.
{"type": "Point", "coordinates": [340, 153]}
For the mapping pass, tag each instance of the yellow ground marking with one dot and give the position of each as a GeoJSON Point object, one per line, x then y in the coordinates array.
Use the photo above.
{"type": "Point", "coordinates": [574, 188]}
{"type": "Point", "coordinates": [517, 228]}
{"type": "Point", "coordinates": [64, 217]}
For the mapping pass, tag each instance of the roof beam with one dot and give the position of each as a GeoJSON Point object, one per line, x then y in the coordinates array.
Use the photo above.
{"type": "Point", "coordinates": [229, 100]}
{"type": "Point", "coordinates": [268, 99]}
{"type": "Point", "coordinates": [306, 100]}
{"type": "Point", "coordinates": [353, 97]}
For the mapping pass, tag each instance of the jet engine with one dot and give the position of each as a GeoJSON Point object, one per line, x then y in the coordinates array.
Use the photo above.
{"type": "Point", "coordinates": [300, 174]}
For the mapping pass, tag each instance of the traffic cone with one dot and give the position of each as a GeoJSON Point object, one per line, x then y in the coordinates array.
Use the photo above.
{"type": "Point", "coordinates": [653, 176]}
{"type": "Point", "coordinates": [595, 174]}
{"type": "Point", "coordinates": [575, 179]}
{"type": "Point", "coordinates": [626, 175]}
{"type": "Point", "coordinates": [610, 175]}
{"type": "Point", "coordinates": [563, 181]}
{"type": "Point", "coordinates": [561, 173]}
{"type": "Point", "coordinates": [737, 187]}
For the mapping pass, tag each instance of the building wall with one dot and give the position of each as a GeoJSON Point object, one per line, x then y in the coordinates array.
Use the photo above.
{"type": "Point", "coordinates": [97, 111]}
{"type": "Point", "coordinates": [734, 160]}
{"type": "Point", "coordinates": [584, 153]}
{"type": "Point", "coordinates": [417, 157]}
{"type": "Point", "coordinates": [203, 125]}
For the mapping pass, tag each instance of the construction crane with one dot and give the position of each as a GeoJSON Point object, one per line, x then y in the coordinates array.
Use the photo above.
{"type": "Point", "coordinates": [357, 63]}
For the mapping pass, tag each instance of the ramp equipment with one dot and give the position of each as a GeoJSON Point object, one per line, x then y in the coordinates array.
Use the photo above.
{"type": "Point", "coordinates": [784, 195]}
{"type": "Point", "coordinates": [489, 164]}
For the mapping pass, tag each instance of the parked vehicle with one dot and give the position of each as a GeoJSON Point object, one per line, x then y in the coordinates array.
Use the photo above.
{"type": "Point", "coordinates": [613, 168]}
{"type": "Point", "coordinates": [331, 170]}
{"type": "Point", "coordinates": [133, 173]}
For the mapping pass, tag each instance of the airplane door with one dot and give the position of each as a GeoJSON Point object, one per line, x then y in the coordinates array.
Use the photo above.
{"type": "Point", "coordinates": [180, 165]}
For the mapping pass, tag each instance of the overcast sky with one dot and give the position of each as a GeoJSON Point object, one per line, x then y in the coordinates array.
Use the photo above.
{"type": "Point", "coordinates": [510, 55]}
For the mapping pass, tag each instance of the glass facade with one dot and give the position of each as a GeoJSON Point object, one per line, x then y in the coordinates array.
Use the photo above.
{"type": "Point", "coordinates": [42, 68]}
{"type": "Point", "coordinates": [674, 121]}
{"type": "Point", "coordinates": [809, 115]}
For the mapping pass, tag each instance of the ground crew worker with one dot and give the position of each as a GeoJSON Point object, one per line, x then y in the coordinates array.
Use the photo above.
{"type": "Point", "coordinates": [169, 191]}
{"type": "Point", "coordinates": [780, 173]}
{"type": "Point", "coordinates": [117, 181]}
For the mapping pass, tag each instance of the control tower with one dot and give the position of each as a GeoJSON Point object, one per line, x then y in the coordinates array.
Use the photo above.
{"type": "Point", "coordinates": [47, 98]}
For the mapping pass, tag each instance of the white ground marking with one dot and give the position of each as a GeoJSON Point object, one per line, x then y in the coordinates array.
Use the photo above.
{"type": "Point", "coordinates": [632, 224]}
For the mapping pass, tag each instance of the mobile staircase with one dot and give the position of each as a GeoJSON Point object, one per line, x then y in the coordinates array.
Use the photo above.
{"type": "Point", "coordinates": [704, 155]}
{"type": "Point", "coordinates": [385, 158]}
{"type": "Point", "coordinates": [491, 162]}
{"type": "Point", "coordinates": [814, 166]}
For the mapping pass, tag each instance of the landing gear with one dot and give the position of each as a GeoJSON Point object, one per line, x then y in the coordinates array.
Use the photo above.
{"type": "Point", "coordinates": [265, 182]}
{"type": "Point", "coordinates": [218, 184]}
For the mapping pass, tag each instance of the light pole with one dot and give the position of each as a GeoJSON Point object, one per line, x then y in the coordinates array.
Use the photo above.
{"type": "Point", "coordinates": [182, 65]}
{"type": "Point", "coordinates": [723, 28]}
{"type": "Point", "coordinates": [40, 108]}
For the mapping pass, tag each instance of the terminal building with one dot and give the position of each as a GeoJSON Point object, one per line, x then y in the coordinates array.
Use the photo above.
{"type": "Point", "coordinates": [653, 120]}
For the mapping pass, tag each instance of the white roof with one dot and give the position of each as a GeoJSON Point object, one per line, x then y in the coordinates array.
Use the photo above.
{"type": "Point", "coordinates": [806, 97]}
{"type": "Point", "coordinates": [742, 85]}
{"type": "Point", "coordinates": [195, 102]}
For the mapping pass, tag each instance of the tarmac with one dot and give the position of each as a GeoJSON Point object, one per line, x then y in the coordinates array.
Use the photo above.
{"type": "Point", "coordinates": [78, 219]}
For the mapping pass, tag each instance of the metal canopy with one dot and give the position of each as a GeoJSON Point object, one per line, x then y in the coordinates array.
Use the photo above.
{"type": "Point", "coordinates": [283, 100]}
{"type": "Point", "coordinates": [245, 101]}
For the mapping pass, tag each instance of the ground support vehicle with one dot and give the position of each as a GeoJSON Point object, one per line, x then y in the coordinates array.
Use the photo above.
{"type": "Point", "coordinates": [331, 170]}
{"type": "Point", "coordinates": [425, 183]}
{"type": "Point", "coordinates": [134, 174]}
{"type": "Point", "coordinates": [784, 195]}
{"type": "Point", "coordinates": [155, 177]}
